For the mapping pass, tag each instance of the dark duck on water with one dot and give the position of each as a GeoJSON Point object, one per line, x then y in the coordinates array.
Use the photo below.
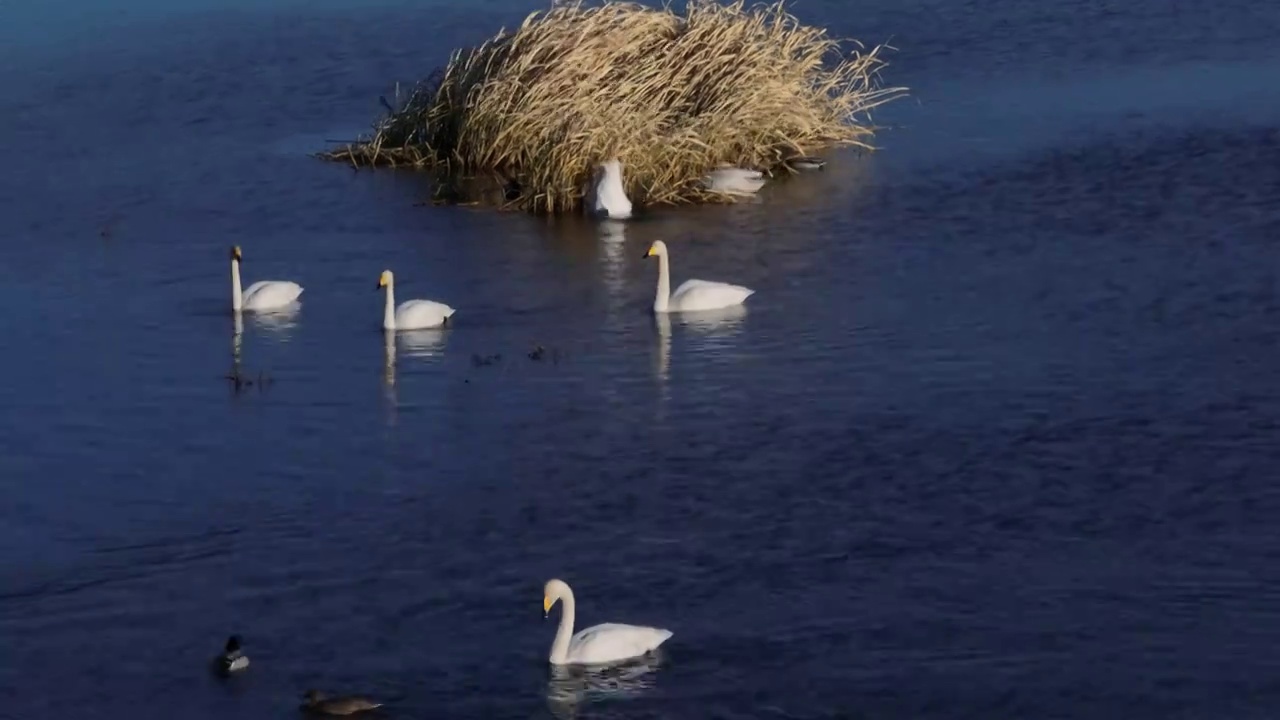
{"type": "Point", "coordinates": [231, 660]}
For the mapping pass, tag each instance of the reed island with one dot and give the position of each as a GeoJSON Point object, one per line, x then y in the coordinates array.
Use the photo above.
{"type": "Point", "coordinates": [523, 120]}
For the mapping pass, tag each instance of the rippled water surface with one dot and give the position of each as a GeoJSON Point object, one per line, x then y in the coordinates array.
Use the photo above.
{"type": "Point", "coordinates": [996, 436]}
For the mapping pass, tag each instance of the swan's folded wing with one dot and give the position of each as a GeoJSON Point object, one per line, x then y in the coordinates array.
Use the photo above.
{"type": "Point", "coordinates": [271, 293]}
{"type": "Point", "coordinates": [613, 641]}
{"type": "Point", "coordinates": [424, 306]}
{"type": "Point", "coordinates": [421, 313]}
{"type": "Point", "coordinates": [697, 294]}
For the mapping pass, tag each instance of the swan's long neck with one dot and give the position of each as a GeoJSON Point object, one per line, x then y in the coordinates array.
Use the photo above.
{"type": "Point", "coordinates": [612, 181]}
{"type": "Point", "coordinates": [237, 300]}
{"type": "Point", "coordinates": [560, 647]}
{"type": "Point", "coordinates": [664, 284]}
{"type": "Point", "coordinates": [389, 314]}
{"type": "Point", "coordinates": [611, 196]}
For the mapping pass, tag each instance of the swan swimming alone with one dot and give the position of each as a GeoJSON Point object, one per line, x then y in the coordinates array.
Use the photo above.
{"type": "Point", "coordinates": [607, 196]}
{"type": "Point", "coordinates": [412, 314]}
{"type": "Point", "coordinates": [262, 295]}
{"type": "Point", "coordinates": [599, 644]}
{"type": "Point", "coordinates": [734, 181]}
{"type": "Point", "coordinates": [692, 294]}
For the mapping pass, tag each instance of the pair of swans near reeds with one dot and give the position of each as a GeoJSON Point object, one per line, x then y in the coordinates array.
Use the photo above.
{"type": "Point", "coordinates": [275, 295]}
{"type": "Point", "coordinates": [607, 196]}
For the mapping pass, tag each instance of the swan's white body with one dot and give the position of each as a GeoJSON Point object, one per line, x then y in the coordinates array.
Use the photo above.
{"type": "Point", "coordinates": [692, 295]}
{"type": "Point", "coordinates": [262, 295]}
{"type": "Point", "coordinates": [734, 181]}
{"type": "Point", "coordinates": [412, 314]}
{"type": "Point", "coordinates": [597, 645]}
{"type": "Point", "coordinates": [607, 196]}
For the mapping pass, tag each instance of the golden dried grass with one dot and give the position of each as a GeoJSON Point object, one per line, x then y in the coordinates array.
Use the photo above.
{"type": "Point", "coordinates": [672, 95]}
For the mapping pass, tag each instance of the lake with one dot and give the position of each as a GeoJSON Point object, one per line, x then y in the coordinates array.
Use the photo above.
{"type": "Point", "coordinates": [996, 437]}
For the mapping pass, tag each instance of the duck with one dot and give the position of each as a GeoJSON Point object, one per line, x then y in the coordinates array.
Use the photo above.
{"type": "Point", "coordinates": [318, 702]}
{"type": "Point", "coordinates": [692, 295]}
{"type": "Point", "coordinates": [231, 659]}
{"type": "Point", "coordinates": [607, 197]}
{"type": "Point", "coordinates": [262, 295]}
{"type": "Point", "coordinates": [734, 181]}
{"type": "Point", "coordinates": [602, 644]}
{"type": "Point", "coordinates": [806, 164]}
{"type": "Point", "coordinates": [412, 314]}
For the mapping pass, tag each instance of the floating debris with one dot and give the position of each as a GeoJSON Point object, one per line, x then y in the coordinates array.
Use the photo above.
{"type": "Point", "coordinates": [239, 381]}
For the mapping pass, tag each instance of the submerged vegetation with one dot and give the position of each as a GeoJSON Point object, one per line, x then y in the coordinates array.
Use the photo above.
{"type": "Point", "coordinates": [672, 95]}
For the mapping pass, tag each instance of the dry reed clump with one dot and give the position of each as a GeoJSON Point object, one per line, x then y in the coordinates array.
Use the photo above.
{"type": "Point", "coordinates": [671, 95]}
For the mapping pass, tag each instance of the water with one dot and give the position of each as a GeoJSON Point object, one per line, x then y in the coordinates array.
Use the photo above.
{"type": "Point", "coordinates": [995, 438]}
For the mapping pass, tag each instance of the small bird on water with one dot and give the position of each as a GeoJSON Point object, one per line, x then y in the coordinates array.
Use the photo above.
{"type": "Point", "coordinates": [231, 660]}
{"type": "Point", "coordinates": [318, 702]}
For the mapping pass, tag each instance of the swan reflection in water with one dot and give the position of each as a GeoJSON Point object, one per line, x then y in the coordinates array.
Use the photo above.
{"type": "Point", "coordinates": [662, 363]}
{"type": "Point", "coordinates": [613, 265]}
{"type": "Point", "coordinates": [711, 325]}
{"type": "Point", "coordinates": [571, 686]}
{"type": "Point", "coordinates": [237, 339]}
{"type": "Point", "coordinates": [723, 322]}
{"type": "Point", "coordinates": [280, 321]}
{"type": "Point", "coordinates": [423, 343]}
{"type": "Point", "coordinates": [613, 231]}
{"type": "Point", "coordinates": [390, 395]}
{"type": "Point", "coordinates": [415, 344]}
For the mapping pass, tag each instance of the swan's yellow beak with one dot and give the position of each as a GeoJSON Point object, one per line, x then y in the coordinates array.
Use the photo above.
{"type": "Point", "coordinates": [235, 252]}
{"type": "Point", "coordinates": [382, 280]}
{"type": "Point", "coordinates": [546, 605]}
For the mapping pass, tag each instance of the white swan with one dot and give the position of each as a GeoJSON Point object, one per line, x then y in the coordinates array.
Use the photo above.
{"type": "Point", "coordinates": [607, 197]}
{"type": "Point", "coordinates": [734, 181]}
{"type": "Point", "coordinates": [262, 295]}
{"type": "Point", "coordinates": [599, 644]}
{"type": "Point", "coordinates": [412, 314]}
{"type": "Point", "coordinates": [692, 294]}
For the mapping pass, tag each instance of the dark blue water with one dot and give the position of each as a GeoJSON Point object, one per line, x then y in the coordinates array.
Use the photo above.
{"type": "Point", "coordinates": [996, 437]}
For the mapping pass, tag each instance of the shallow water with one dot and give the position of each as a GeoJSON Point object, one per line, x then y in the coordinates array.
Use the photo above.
{"type": "Point", "coordinates": [996, 437]}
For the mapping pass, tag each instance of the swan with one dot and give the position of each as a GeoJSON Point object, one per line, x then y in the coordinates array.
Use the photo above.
{"type": "Point", "coordinates": [262, 295]}
{"type": "Point", "coordinates": [599, 644]}
{"type": "Point", "coordinates": [412, 314]}
{"type": "Point", "coordinates": [607, 196]}
{"type": "Point", "coordinates": [692, 294]}
{"type": "Point", "coordinates": [734, 181]}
